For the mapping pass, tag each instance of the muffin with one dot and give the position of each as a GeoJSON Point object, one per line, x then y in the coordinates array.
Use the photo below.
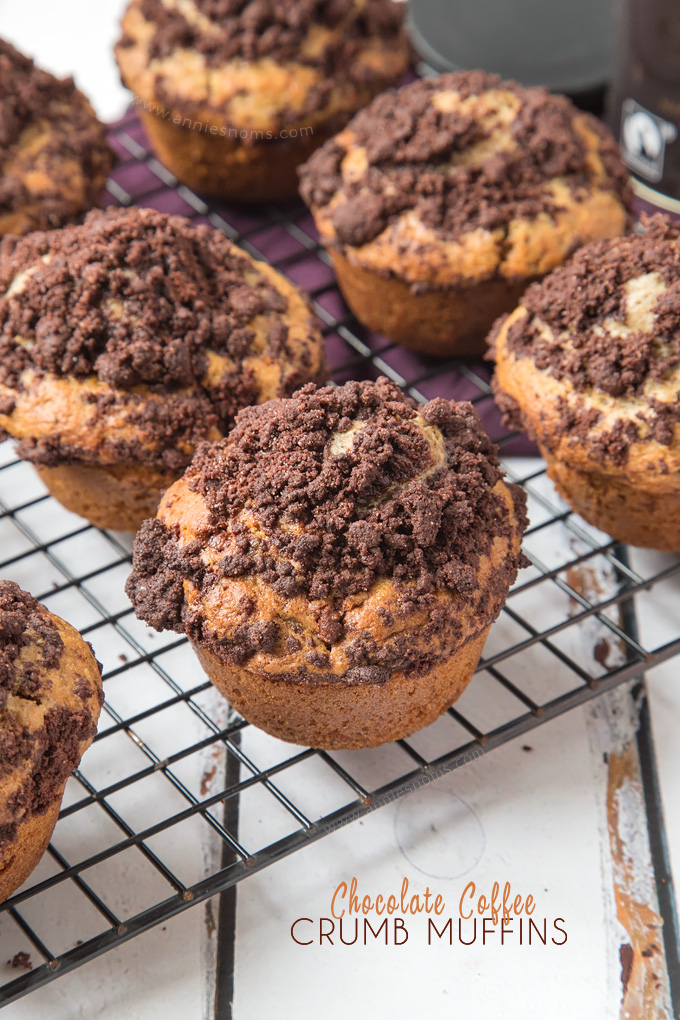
{"type": "Point", "coordinates": [54, 159]}
{"type": "Point", "coordinates": [235, 94]}
{"type": "Point", "coordinates": [589, 366]}
{"type": "Point", "coordinates": [336, 561]}
{"type": "Point", "coordinates": [126, 341]}
{"type": "Point", "coordinates": [50, 699]}
{"type": "Point", "coordinates": [442, 200]}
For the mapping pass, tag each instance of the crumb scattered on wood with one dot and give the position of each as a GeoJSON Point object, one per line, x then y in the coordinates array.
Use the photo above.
{"type": "Point", "coordinates": [210, 923]}
{"type": "Point", "coordinates": [601, 651]}
{"type": "Point", "coordinates": [21, 960]}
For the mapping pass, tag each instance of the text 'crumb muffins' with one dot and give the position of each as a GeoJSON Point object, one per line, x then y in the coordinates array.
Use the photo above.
{"type": "Point", "coordinates": [54, 159]}
{"type": "Point", "coordinates": [336, 561]}
{"type": "Point", "coordinates": [442, 200]}
{"type": "Point", "coordinates": [128, 340]}
{"type": "Point", "coordinates": [234, 94]}
{"type": "Point", "coordinates": [589, 366]}
{"type": "Point", "coordinates": [50, 699]}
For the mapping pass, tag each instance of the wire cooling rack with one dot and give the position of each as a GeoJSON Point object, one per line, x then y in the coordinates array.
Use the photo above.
{"type": "Point", "coordinates": [173, 768]}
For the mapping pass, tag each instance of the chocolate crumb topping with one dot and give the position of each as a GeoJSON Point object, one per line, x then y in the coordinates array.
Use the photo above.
{"type": "Point", "coordinates": [277, 30]}
{"type": "Point", "coordinates": [272, 28]}
{"type": "Point", "coordinates": [46, 127]}
{"type": "Point", "coordinates": [31, 650]}
{"type": "Point", "coordinates": [322, 495]}
{"type": "Point", "coordinates": [55, 752]}
{"type": "Point", "coordinates": [390, 504]}
{"type": "Point", "coordinates": [23, 622]}
{"type": "Point", "coordinates": [141, 300]}
{"type": "Point", "coordinates": [22, 960]}
{"type": "Point", "coordinates": [418, 158]}
{"type": "Point", "coordinates": [609, 321]}
{"type": "Point", "coordinates": [511, 412]}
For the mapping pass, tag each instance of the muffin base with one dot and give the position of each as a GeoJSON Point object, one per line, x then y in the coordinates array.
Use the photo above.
{"type": "Point", "coordinates": [443, 322]}
{"type": "Point", "coordinates": [336, 716]}
{"type": "Point", "coordinates": [116, 496]}
{"type": "Point", "coordinates": [618, 507]}
{"type": "Point", "coordinates": [25, 853]}
{"type": "Point", "coordinates": [224, 168]}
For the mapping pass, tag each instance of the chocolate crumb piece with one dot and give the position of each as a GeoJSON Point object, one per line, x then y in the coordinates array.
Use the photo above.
{"type": "Point", "coordinates": [527, 747]}
{"type": "Point", "coordinates": [414, 153]}
{"type": "Point", "coordinates": [156, 584]}
{"type": "Point", "coordinates": [48, 132]}
{"type": "Point", "coordinates": [576, 299]}
{"type": "Point", "coordinates": [601, 651]}
{"type": "Point", "coordinates": [613, 325]}
{"type": "Point", "coordinates": [22, 960]}
{"type": "Point", "coordinates": [133, 296]}
{"type": "Point", "coordinates": [346, 485]}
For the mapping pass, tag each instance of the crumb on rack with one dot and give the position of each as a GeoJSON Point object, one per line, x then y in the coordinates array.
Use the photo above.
{"type": "Point", "coordinates": [21, 960]}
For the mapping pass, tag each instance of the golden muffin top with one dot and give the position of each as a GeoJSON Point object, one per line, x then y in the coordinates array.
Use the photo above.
{"type": "Point", "coordinates": [600, 336]}
{"type": "Point", "coordinates": [50, 697]}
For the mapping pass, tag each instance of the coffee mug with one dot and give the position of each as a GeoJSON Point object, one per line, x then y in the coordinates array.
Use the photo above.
{"type": "Point", "coordinates": [566, 45]}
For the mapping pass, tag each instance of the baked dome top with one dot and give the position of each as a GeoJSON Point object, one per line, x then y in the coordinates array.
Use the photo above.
{"type": "Point", "coordinates": [605, 327]}
{"type": "Point", "coordinates": [326, 527]}
{"type": "Point", "coordinates": [135, 306]}
{"type": "Point", "coordinates": [50, 696]}
{"type": "Point", "coordinates": [53, 152]}
{"type": "Point", "coordinates": [466, 159]}
{"type": "Point", "coordinates": [352, 483]}
{"type": "Point", "coordinates": [299, 58]}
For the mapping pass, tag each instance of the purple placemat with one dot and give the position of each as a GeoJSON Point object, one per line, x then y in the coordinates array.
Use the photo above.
{"type": "Point", "coordinates": [285, 236]}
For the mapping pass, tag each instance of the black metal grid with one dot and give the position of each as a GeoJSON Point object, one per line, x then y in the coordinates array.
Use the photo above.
{"type": "Point", "coordinates": [539, 661]}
